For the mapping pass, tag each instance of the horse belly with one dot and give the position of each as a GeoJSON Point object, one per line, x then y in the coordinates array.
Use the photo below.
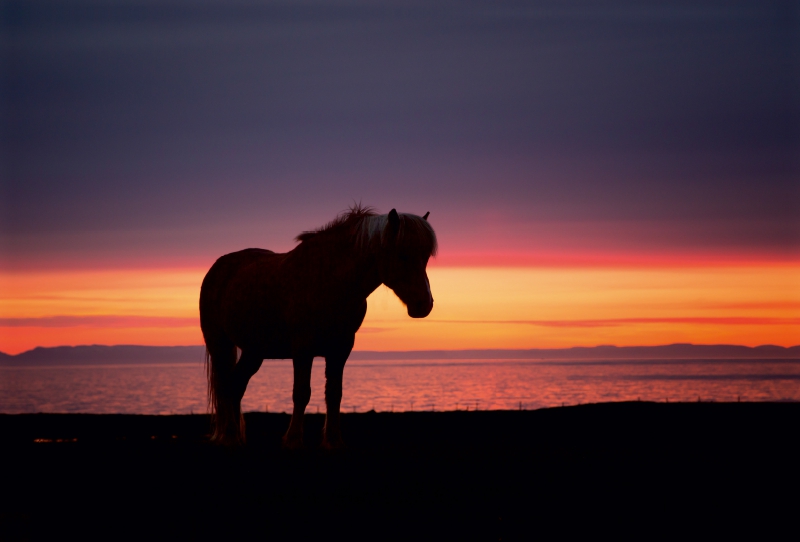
{"type": "Point", "coordinates": [268, 310]}
{"type": "Point", "coordinates": [270, 337]}
{"type": "Point", "coordinates": [273, 343]}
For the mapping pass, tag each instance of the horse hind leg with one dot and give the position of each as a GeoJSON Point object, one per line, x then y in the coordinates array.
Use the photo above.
{"type": "Point", "coordinates": [220, 363]}
{"type": "Point", "coordinates": [227, 386]}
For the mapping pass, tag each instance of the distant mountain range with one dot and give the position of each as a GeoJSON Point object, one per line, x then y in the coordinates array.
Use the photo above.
{"type": "Point", "coordinates": [104, 355]}
{"type": "Point", "coordinates": [132, 354]}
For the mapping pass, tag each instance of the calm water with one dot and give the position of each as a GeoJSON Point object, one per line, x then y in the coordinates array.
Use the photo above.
{"type": "Point", "coordinates": [402, 385]}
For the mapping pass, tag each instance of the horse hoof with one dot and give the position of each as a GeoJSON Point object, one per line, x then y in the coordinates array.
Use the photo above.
{"type": "Point", "coordinates": [292, 444]}
{"type": "Point", "coordinates": [231, 442]}
{"type": "Point", "coordinates": [334, 446]}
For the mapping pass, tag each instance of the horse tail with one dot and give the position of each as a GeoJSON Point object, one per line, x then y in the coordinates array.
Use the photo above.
{"type": "Point", "coordinates": [225, 388]}
{"type": "Point", "coordinates": [226, 414]}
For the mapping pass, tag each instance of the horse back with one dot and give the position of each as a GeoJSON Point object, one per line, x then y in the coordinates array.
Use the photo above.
{"type": "Point", "coordinates": [215, 291]}
{"type": "Point", "coordinates": [267, 302]}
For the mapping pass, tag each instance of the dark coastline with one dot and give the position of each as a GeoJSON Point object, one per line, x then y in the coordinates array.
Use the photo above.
{"type": "Point", "coordinates": [137, 354]}
{"type": "Point", "coordinates": [637, 469]}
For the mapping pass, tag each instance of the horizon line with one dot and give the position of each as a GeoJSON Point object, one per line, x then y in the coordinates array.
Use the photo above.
{"type": "Point", "coordinates": [467, 262]}
{"type": "Point", "coordinates": [434, 349]}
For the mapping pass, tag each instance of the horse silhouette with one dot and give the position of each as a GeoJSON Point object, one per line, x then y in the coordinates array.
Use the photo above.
{"type": "Point", "coordinates": [304, 303]}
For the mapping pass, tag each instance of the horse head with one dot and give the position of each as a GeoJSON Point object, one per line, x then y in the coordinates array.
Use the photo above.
{"type": "Point", "coordinates": [409, 241]}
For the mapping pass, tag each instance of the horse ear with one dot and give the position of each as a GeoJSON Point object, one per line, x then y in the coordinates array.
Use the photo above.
{"type": "Point", "coordinates": [394, 222]}
{"type": "Point", "coordinates": [426, 216]}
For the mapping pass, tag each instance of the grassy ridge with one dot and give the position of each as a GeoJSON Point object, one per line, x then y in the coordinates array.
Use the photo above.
{"type": "Point", "coordinates": [618, 468]}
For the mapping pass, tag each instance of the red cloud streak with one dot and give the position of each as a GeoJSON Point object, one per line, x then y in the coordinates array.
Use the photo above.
{"type": "Point", "coordinates": [100, 321]}
{"type": "Point", "coordinates": [611, 322]}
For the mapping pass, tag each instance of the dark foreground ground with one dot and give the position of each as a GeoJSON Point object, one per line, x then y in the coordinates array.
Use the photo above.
{"type": "Point", "coordinates": [626, 469]}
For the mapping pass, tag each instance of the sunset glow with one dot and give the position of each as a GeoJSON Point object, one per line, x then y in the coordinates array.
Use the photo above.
{"type": "Point", "coordinates": [475, 307]}
{"type": "Point", "coordinates": [143, 306]}
{"type": "Point", "coordinates": [563, 307]}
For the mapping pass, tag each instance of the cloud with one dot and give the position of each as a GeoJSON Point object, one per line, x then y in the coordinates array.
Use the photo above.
{"type": "Point", "coordinates": [100, 321]}
{"type": "Point", "coordinates": [615, 322]}
{"type": "Point", "coordinates": [367, 329]}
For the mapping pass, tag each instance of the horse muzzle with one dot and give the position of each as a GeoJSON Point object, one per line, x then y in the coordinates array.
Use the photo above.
{"type": "Point", "coordinates": [420, 309]}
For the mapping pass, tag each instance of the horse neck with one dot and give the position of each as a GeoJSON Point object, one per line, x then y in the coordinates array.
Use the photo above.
{"type": "Point", "coordinates": [349, 269]}
{"type": "Point", "coordinates": [365, 276]}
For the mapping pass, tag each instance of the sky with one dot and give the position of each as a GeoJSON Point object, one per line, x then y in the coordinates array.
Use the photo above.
{"type": "Point", "coordinates": [596, 172]}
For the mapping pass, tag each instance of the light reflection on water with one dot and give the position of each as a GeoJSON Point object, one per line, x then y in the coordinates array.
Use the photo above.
{"type": "Point", "coordinates": [402, 385]}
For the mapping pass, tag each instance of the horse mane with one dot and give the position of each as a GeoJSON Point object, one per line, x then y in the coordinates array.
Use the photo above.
{"type": "Point", "coordinates": [367, 230]}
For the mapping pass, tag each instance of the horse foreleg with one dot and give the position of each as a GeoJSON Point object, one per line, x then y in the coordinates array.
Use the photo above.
{"type": "Point", "coordinates": [332, 433]}
{"type": "Point", "coordinates": [301, 395]}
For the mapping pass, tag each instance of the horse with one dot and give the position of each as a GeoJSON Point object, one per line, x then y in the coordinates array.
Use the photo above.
{"type": "Point", "coordinates": [305, 303]}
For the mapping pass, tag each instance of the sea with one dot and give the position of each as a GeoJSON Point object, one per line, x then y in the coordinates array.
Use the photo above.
{"type": "Point", "coordinates": [402, 385]}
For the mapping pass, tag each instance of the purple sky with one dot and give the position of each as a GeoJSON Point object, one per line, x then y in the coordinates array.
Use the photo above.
{"type": "Point", "coordinates": [179, 130]}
